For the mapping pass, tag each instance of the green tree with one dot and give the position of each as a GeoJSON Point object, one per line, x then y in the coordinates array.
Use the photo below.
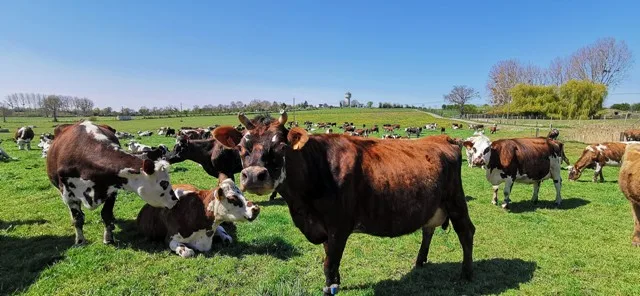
{"type": "Point", "coordinates": [635, 107]}
{"type": "Point", "coordinates": [369, 104]}
{"type": "Point", "coordinates": [621, 106]}
{"type": "Point", "coordinates": [582, 98]}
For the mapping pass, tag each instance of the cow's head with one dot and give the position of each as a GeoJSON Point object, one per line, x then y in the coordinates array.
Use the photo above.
{"type": "Point", "coordinates": [589, 156]}
{"type": "Point", "coordinates": [262, 150]}
{"type": "Point", "coordinates": [230, 205]}
{"type": "Point", "coordinates": [480, 151]}
{"type": "Point", "coordinates": [151, 182]}
{"type": "Point", "coordinates": [180, 150]}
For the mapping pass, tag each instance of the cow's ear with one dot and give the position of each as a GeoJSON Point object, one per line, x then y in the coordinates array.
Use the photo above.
{"type": "Point", "coordinates": [218, 194]}
{"type": "Point", "coordinates": [467, 144]}
{"type": "Point", "coordinates": [227, 136]}
{"type": "Point", "coordinates": [127, 173]}
{"type": "Point", "coordinates": [155, 154]}
{"type": "Point", "coordinates": [297, 138]}
{"type": "Point", "coordinates": [148, 167]}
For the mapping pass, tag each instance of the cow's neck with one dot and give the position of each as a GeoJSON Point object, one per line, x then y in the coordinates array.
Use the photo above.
{"type": "Point", "coordinates": [200, 151]}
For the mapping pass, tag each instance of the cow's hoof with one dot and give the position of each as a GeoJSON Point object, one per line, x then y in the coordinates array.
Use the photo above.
{"type": "Point", "coordinates": [80, 242]}
{"type": "Point", "coordinates": [505, 206]}
{"type": "Point", "coordinates": [108, 241]}
{"type": "Point", "coordinates": [331, 290]}
{"type": "Point", "coordinates": [494, 202]}
{"type": "Point", "coordinates": [186, 252]}
{"type": "Point", "coordinates": [635, 244]}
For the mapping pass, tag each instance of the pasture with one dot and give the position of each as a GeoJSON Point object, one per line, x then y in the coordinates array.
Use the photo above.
{"type": "Point", "coordinates": [583, 247]}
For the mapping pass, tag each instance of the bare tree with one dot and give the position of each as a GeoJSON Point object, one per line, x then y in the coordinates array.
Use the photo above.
{"type": "Point", "coordinates": [503, 76]}
{"type": "Point", "coordinates": [558, 71]}
{"type": "Point", "coordinates": [54, 104]}
{"type": "Point", "coordinates": [606, 61]}
{"type": "Point", "coordinates": [460, 95]}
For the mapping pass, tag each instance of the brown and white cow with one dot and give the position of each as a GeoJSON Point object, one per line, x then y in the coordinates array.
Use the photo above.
{"type": "Point", "coordinates": [524, 160]}
{"type": "Point", "coordinates": [191, 224]}
{"type": "Point", "coordinates": [631, 135]}
{"type": "Point", "coordinates": [629, 182]}
{"type": "Point", "coordinates": [91, 174]}
{"type": "Point", "coordinates": [335, 185]}
{"type": "Point", "coordinates": [23, 137]}
{"type": "Point", "coordinates": [597, 156]}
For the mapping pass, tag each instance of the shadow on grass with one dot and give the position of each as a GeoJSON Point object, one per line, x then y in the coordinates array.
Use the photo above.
{"type": "Point", "coordinates": [529, 206]}
{"type": "Point", "coordinates": [4, 225]}
{"type": "Point", "coordinates": [129, 237]}
{"type": "Point", "coordinates": [23, 259]}
{"type": "Point", "coordinates": [469, 198]}
{"type": "Point", "coordinates": [492, 276]}
{"type": "Point", "coordinates": [590, 181]}
{"type": "Point", "coordinates": [279, 201]}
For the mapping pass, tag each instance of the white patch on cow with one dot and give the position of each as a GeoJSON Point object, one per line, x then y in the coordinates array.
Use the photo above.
{"type": "Point", "coordinates": [590, 149]}
{"type": "Point", "coordinates": [76, 191]}
{"type": "Point", "coordinates": [275, 138]}
{"type": "Point", "coordinates": [610, 162]}
{"type": "Point", "coordinates": [283, 174]}
{"type": "Point", "coordinates": [197, 240]}
{"type": "Point", "coordinates": [223, 210]}
{"type": "Point", "coordinates": [148, 186]}
{"type": "Point", "coordinates": [95, 131]}
{"type": "Point", "coordinates": [601, 147]}
{"type": "Point", "coordinates": [45, 148]}
{"type": "Point", "coordinates": [437, 219]}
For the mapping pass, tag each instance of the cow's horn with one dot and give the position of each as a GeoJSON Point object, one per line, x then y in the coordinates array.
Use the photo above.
{"type": "Point", "coordinates": [283, 117]}
{"type": "Point", "coordinates": [245, 121]}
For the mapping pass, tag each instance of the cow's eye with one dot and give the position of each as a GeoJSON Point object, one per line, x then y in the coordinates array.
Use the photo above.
{"type": "Point", "coordinates": [486, 150]}
{"type": "Point", "coordinates": [474, 149]}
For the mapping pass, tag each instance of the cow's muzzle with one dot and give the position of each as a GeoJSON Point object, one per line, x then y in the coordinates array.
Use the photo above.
{"type": "Point", "coordinates": [256, 180]}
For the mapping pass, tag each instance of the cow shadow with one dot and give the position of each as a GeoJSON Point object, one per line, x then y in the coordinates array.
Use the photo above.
{"type": "Point", "coordinates": [528, 206]}
{"type": "Point", "coordinates": [23, 259]}
{"type": "Point", "coordinates": [492, 276]}
{"type": "Point", "coordinates": [7, 225]}
{"type": "Point", "coordinates": [590, 181]}
{"type": "Point", "coordinates": [129, 237]}
{"type": "Point", "coordinates": [469, 198]}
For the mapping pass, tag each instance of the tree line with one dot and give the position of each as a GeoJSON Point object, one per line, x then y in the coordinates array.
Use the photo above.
{"type": "Point", "coordinates": [606, 61]}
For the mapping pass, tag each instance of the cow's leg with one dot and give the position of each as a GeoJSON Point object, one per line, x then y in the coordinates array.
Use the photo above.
{"type": "Point", "coordinates": [29, 146]}
{"type": "Point", "coordinates": [536, 189]}
{"type": "Point", "coordinates": [181, 249]}
{"type": "Point", "coordinates": [464, 228]}
{"type": "Point", "coordinates": [508, 184]}
{"type": "Point", "coordinates": [77, 216]}
{"type": "Point", "coordinates": [635, 209]}
{"type": "Point", "coordinates": [223, 235]}
{"type": "Point", "coordinates": [427, 235]}
{"type": "Point", "coordinates": [557, 182]}
{"type": "Point", "coordinates": [597, 172]}
{"type": "Point", "coordinates": [108, 219]}
{"type": "Point", "coordinates": [273, 195]}
{"type": "Point", "coordinates": [333, 248]}
{"type": "Point", "coordinates": [494, 200]}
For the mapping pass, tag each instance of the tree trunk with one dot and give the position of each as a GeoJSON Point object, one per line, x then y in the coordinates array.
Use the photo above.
{"type": "Point", "coordinates": [55, 115]}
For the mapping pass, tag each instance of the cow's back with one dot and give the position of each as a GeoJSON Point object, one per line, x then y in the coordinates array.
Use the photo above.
{"type": "Point", "coordinates": [530, 156]}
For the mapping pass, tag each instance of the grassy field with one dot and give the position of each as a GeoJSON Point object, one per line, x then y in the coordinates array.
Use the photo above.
{"type": "Point", "coordinates": [582, 248]}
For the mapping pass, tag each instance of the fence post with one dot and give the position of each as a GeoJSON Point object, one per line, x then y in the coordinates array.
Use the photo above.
{"type": "Point", "coordinates": [537, 131]}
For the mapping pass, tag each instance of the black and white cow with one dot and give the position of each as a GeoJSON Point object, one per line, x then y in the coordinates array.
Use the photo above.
{"type": "Point", "coordinates": [23, 137]}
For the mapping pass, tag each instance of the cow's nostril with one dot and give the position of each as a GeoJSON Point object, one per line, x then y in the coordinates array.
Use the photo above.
{"type": "Point", "coordinates": [244, 176]}
{"type": "Point", "coordinates": [262, 176]}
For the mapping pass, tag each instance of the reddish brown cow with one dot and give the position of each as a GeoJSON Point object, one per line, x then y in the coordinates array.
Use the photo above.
{"type": "Point", "coordinates": [336, 185]}
{"type": "Point", "coordinates": [524, 160]}
{"type": "Point", "coordinates": [631, 135]}
{"type": "Point", "coordinates": [87, 165]}
{"type": "Point", "coordinates": [629, 182]}
{"type": "Point", "coordinates": [597, 156]}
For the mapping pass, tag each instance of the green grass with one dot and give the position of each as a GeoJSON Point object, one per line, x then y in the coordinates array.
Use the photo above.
{"type": "Point", "coordinates": [582, 248]}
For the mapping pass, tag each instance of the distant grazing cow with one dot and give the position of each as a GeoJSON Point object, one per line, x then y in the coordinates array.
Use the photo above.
{"type": "Point", "coordinates": [23, 137]}
{"type": "Point", "coordinates": [413, 131]}
{"type": "Point", "coordinates": [629, 182]}
{"type": "Point", "coordinates": [91, 173]}
{"type": "Point", "coordinates": [456, 126]}
{"type": "Point", "coordinates": [329, 131]}
{"type": "Point", "coordinates": [191, 224]}
{"type": "Point", "coordinates": [476, 126]}
{"type": "Point", "coordinates": [431, 126]}
{"type": "Point", "coordinates": [170, 132]}
{"type": "Point", "coordinates": [631, 135]}
{"type": "Point", "coordinates": [442, 130]}
{"type": "Point", "coordinates": [124, 135]}
{"type": "Point", "coordinates": [145, 133]}
{"type": "Point", "coordinates": [494, 129]}
{"type": "Point", "coordinates": [375, 129]}
{"type": "Point", "coordinates": [388, 129]}
{"type": "Point", "coordinates": [336, 185]}
{"type": "Point", "coordinates": [391, 136]}
{"type": "Point", "coordinates": [524, 160]}
{"type": "Point", "coordinates": [597, 156]}
{"type": "Point", "coordinates": [553, 134]}
{"type": "Point", "coordinates": [136, 147]}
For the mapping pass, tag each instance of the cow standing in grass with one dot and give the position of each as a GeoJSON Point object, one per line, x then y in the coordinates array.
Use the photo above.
{"type": "Point", "coordinates": [597, 156]}
{"type": "Point", "coordinates": [336, 185]}
{"type": "Point", "coordinates": [524, 160]}
{"type": "Point", "coordinates": [191, 224]}
{"type": "Point", "coordinates": [87, 165]}
{"type": "Point", "coordinates": [23, 137]}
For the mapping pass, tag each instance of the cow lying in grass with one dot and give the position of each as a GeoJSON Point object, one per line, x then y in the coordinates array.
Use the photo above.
{"type": "Point", "coordinates": [191, 224]}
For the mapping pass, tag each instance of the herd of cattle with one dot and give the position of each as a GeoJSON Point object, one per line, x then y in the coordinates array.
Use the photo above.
{"type": "Point", "coordinates": [333, 184]}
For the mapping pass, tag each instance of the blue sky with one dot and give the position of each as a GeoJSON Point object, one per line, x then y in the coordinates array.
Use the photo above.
{"type": "Point", "coordinates": [135, 53]}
